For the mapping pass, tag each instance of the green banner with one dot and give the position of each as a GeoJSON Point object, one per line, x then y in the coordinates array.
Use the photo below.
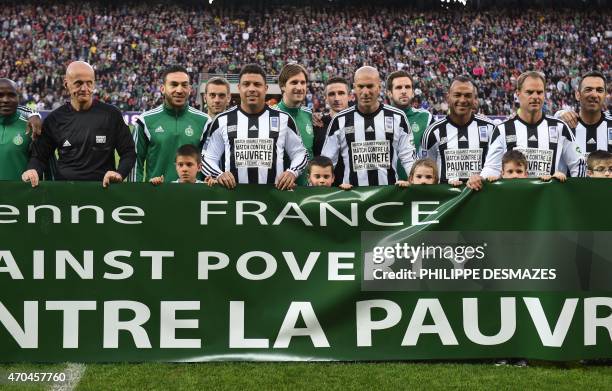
{"type": "Point", "coordinates": [191, 273]}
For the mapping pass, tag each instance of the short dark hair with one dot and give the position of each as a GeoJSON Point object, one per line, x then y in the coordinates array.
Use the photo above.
{"type": "Point", "coordinates": [397, 74]}
{"type": "Point", "coordinates": [252, 68]}
{"type": "Point", "coordinates": [188, 150]}
{"type": "Point", "coordinates": [338, 80]}
{"type": "Point", "coordinates": [321, 161]}
{"type": "Point", "coordinates": [289, 71]}
{"type": "Point", "coordinates": [593, 74]}
{"type": "Point", "coordinates": [597, 155]}
{"type": "Point", "coordinates": [516, 157]}
{"type": "Point", "coordinates": [218, 81]}
{"type": "Point", "coordinates": [174, 69]}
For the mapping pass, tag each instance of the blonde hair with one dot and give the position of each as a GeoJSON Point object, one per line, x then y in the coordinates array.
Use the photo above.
{"type": "Point", "coordinates": [426, 162]}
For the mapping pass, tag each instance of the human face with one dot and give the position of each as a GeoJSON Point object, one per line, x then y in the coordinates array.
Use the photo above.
{"type": "Point", "coordinates": [8, 98]}
{"type": "Point", "coordinates": [252, 89]}
{"type": "Point", "coordinates": [460, 99]}
{"type": "Point", "coordinates": [531, 95]}
{"type": "Point", "coordinates": [423, 175]}
{"type": "Point", "coordinates": [367, 90]}
{"type": "Point", "coordinates": [176, 89]}
{"type": "Point", "coordinates": [601, 169]}
{"type": "Point", "coordinates": [337, 96]}
{"type": "Point", "coordinates": [513, 170]}
{"type": "Point", "coordinates": [80, 83]}
{"type": "Point", "coordinates": [592, 94]}
{"type": "Point", "coordinates": [187, 168]}
{"type": "Point", "coordinates": [294, 90]}
{"type": "Point", "coordinates": [401, 93]}
{"type": "Point", "coordinates": [217, 98]}
{"type": "Point", "coordinates": [321, 176]}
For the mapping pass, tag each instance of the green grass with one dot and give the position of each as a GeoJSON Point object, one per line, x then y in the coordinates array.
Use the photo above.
{"type": "Point", "coordinates": [333, 376]}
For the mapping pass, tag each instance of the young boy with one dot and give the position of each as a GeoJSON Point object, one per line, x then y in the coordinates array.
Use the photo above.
{"type": "Point", "coordinates": [423, 172]}
{"type": "Point", "coordinates": [321, 172]}
{"type": "Point", "coordinates": [187, 163]}
{"type": "Point", "coordinates": [599, 164]}
{"type": "Point", "coordinates": [514, 166]}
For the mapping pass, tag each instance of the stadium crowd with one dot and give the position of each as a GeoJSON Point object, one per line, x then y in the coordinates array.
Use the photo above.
{"type": "Point", "coordinates": [129, 45]}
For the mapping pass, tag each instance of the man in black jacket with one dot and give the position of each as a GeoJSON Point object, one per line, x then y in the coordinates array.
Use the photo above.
{"type": "Point", "coordinates": [85, 133]}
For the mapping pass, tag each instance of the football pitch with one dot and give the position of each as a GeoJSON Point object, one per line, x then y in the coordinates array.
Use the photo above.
{"type": "Point", "coordinates": [315, 376]}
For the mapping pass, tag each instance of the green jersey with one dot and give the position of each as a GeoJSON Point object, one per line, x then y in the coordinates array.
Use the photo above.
{"type": "Point", "coordinates": [303, 121]}
{"type": "Point", "coordinates": [419, 120]}
{"type": "Point", "coordinates": [14, 146]}
{"type": "Point", "coordinates": [159, 133]}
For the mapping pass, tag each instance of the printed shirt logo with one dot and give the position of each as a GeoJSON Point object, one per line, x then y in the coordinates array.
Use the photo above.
{"type": "Point", "coordinates": [309, 128]}
{"type": "Point", "coordinates": [462, 138]}
{"type": "Point", "coordinates": [371, 155]}
{"type": "Point", "coordinates": [592, 141]}
{"type": "Point", "coordinates": [369, 129]}
{"type": "Point", "coordinates": [389, 124]}
{"type": "Point", "coordinates": [253, 127]}
{"type": "Point", "coordinates": [511, 138]}
{"type": "Point", "coordinates": [533, 138]}
{"type": "Point", "coordinates": [274, 124]}
{"type": "Point", "coordinates": [159, 129]}
{"type": "Point", "coordinates": [18, 140]}
{"type": "Point", "coordinates": [415, 127]}
{"type": "Point", "coordinates": [610, 136]}
{"type": "Point", "coordinates": [482, 132]}
{"type": "Point", "coordinates": [100, 139]}
{"type": "Point", "coordinates": [189, 131]}
{"type": "Point", "coordinates": [231, 128]}
{"type": "Point", "coordinates": [66, 144]}
{"type": "Point", "coordinates": [553, 134]}
{"type": "Point", "coordinates": [253, 152]}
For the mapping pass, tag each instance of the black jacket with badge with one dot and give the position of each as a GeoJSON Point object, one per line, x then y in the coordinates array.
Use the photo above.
{"type": "Point", "coordinates": [86, 142]}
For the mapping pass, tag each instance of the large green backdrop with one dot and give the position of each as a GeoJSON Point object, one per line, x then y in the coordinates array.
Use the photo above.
{"type": "Point", "coordinates": [191, 273]}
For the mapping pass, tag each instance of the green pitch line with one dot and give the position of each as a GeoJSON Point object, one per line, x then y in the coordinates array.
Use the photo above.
{"type": "Point", "coordinates": [332, 376]}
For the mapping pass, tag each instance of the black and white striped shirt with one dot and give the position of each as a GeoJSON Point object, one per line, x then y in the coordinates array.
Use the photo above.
{"type": "Point", "coordinates": [548, 145]}
{"type": "Point", "coordinates": [459, 150]}
{"type": "Point", "coordinates": [370, 145]}
{"type": "Point", "coordinates": [596, 137]}
{"type": "Point", "coordinates": [255, 148]}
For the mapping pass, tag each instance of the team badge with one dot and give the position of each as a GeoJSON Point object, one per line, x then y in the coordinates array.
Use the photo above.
{"type": "Point", "coordinates": [389, 124]}
{"type": "Point", "coordinates": [189, 131]}
{"type": "Point", "coordinates": [18, 140]}
{"type": "Point", "coordinates": [482, 132]}
{"type": "Point", "coordinates": [553, 134]}
{"type": "Point", "coordinates": [231, 128]}
{"type": "Point", "coordinates": [415, 128]}
{"type": "Point", "coordinates": [274, 124]}
{"type": "Point", "coordinates": [511, 138]}
{"type": "Point", "coordinates": [309, 128]}
{"type": "Point", "coordinates": [100, 139]}
{"type": "Point", "coordinates": [609, 136]}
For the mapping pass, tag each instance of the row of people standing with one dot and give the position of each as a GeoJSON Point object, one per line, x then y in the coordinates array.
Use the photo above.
{"type": "Point", "coordinates": [255, 143]}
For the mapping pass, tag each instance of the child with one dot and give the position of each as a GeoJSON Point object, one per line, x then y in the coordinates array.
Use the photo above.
{"type": "Point", "coordinates": [321, 172]}
{"type": "Point", "coordinates": [599, 164]}
{"type": "Point", "coordinates": [187, 163]}
{"type": "Point", "coordinates": [514, 166]}
{"type": "Point", "coordinates": [423, 172]}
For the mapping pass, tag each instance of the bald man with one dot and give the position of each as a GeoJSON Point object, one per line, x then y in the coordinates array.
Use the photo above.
{"type": "Point", "coordinates": [370, 137]}
{"type": "Point", "coordinates": [85, 133]}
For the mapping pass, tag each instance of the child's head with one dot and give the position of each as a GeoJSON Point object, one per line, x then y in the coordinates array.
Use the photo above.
{"type": "Point", "coordinates": [514, 165]}
{"type": "Point", "coordinates": [599, 164]}
{"type": "Point", "coordinates": [187, 163]}
{"type": "Point", "coordinates": [321, 171]}
{"type": "Point", "coordinates": [424, 172]}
